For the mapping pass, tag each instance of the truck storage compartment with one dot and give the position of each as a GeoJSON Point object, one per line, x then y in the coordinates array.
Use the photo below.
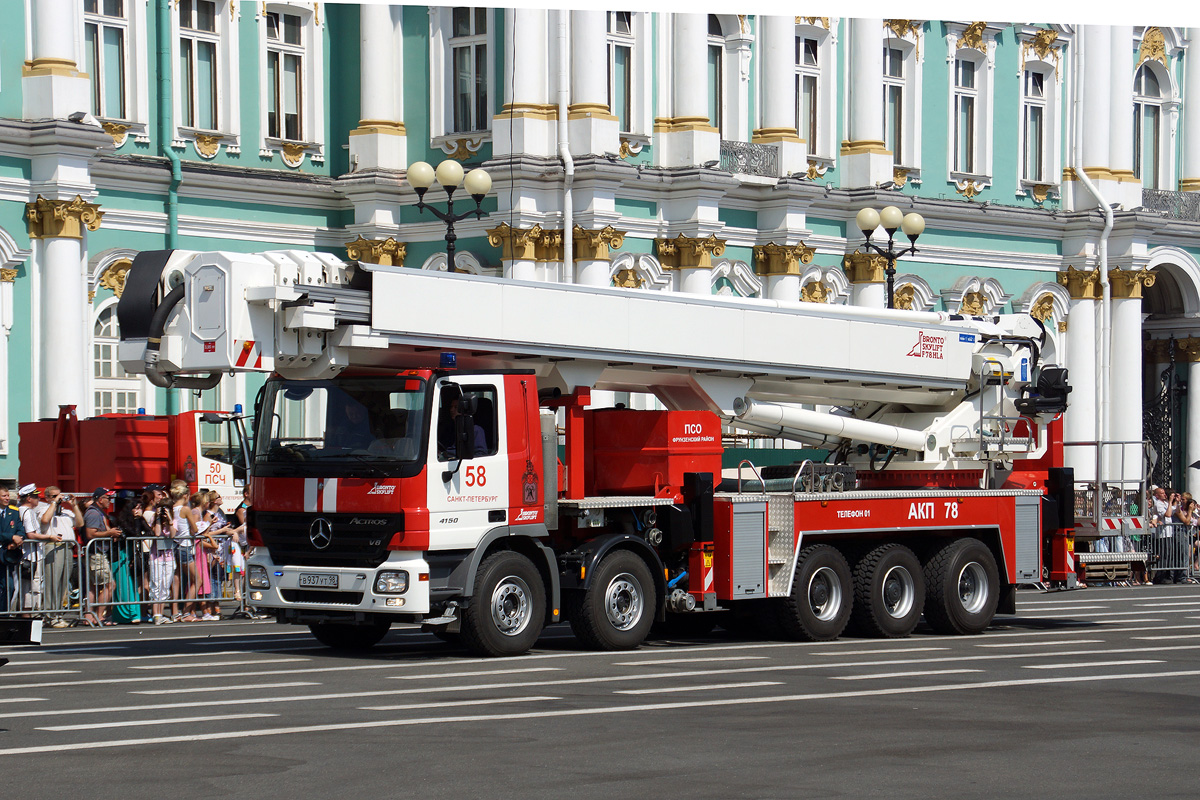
{"type": "Point", "coordinates": [740, 544]}
{"type": "Point", "coordinates": [636, 452]}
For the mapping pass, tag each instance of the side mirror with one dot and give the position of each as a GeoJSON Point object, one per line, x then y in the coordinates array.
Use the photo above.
{"type": "Point", "coordinates": [464, 436]}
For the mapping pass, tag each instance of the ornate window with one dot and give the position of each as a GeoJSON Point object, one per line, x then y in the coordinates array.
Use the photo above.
{"type": "Point", "coordinates": [114, 392]}
{"type": "Point", "coordinates": [285, 75]}
{"type": "Point", "coordinates": [620, 68]}
{"type": "Point", "coordinates": [971, 53]}
{"type": "Point", "coordinates": [293, 104]}
{"type": "Point", "coordinates": [469, 62]}
{"type": "Point", "coordinates": [206, 59]}
{"type": "Point", "coordinates": [105, 33]}
{"type": "Point", "coordinates": [808, 95]}
{"type": "Point", "coordinates": [1148, 127]}
{"type": "Point", "coordinates": [894, 108]}
{"type": "Point", "coordinates": [716, 69]}
{"type": "Point", "coordinates": [1035, 148]}
{"type": "Point", "coordinates": [966, 118]}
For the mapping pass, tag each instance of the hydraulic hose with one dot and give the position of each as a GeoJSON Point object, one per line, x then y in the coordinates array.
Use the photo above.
{"type": "Point", "coordinates": [158, 324]}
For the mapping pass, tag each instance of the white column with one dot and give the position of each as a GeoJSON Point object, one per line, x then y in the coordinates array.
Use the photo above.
{"type": "Point", "coordinates": [592, 125]}
{"type": "Point", "coordinates": [869, 295]}
{"type": "Point", "coordinates": [1125, 399]}
{"type": "Point", "coordinates": [52, 84]}
{"type": "Point", "coordinates": [1120, 114]}
{"type": "Point", "coordinates": [865, 159]}
{"type": "Point", "coordinates": [696, 280]}
{"type": "Point", "coordinates": [686, 138]}
{"type": "Point", "coordinates": [521, 269]}
{"type": "Point", "coordinates": [379, 141]}
{"type": "Point", "coordinates": [593, 273]}
{"type": "Point", "coordinates": [778, 54]}
{"type": "Point", "coordinates": [1190, 171]}
{"type": "Point", "coordinates": [1079, 422]}
{"type": "Point", "coordinates": [63, 313]}
{"type": "Point", "coordinates": [1093, 116]}
{"type": "Point", "coordinates": [783, 287]}
{"type": "Point", "coordinates": [526, 124]}
{"type": "Point", "coordinates": [6, 324]}
{"type": "Point", "coordinates": [1193, 431]}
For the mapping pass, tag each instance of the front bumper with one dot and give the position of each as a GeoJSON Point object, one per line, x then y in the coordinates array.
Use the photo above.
{"type": "Point", "coordinates": [355, 592]}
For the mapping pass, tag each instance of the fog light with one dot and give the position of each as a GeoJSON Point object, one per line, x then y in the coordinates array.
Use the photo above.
{"type": "Point", "coordinates": [395, 601]}
{"type": "Point", "coordinates": [256, 596]}
{"type": "Point", "coordinates": [258, 578]}
{"type": "Point", "coordinates": [391, 582]}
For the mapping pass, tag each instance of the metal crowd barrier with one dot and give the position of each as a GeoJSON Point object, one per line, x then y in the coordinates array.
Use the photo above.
{"type": "Point", "coordinates": [1170, 548]}
{"type": "Point", "coordinates": [125, 581]}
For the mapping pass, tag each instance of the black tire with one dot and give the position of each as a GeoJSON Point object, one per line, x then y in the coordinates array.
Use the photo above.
{"type": "Point", "coordinates": [617, 610]}
{"type": "Point", "coordinates": [350, 638]}
{"type": "Point", "coordinates": [822, 596]}
{"type": "Point", "coordinates": [508, 607]}
{"type": "Point", "coordinates": [962, 588]}
{"type": "Point", "coordinates": [889, 592]}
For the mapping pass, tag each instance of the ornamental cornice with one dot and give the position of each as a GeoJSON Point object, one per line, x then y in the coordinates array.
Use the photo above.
{"type": "Point", "coordinates": [864, 267]}
{"type": "Point", "coordinates": [684, 252]}
{"type": "Point", "coordinates": [1041, 44]}
{"type": "Point", "coordinates": [813, 21]}
{"type": "Point", "coordinates": [973, 38]}
{"type": "Point", "coordinates": [61, 219]}
{"type": "Point", "coordinates": [1127, 283]}
{"type": "Point", "coordinates": [385, 252]}
{"type": "Point", "coordinates": [593, 245]}
{"type": "Point", "coordinates": [782, 259]}
{"type": "Point", "coordinates": [1154, 47]}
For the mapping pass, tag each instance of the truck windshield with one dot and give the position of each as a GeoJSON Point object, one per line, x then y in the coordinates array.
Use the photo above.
{"type": "Point", "coordinates": [361, 424]}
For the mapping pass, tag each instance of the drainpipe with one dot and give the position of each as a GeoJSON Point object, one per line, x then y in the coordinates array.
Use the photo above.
{"type": "Point", "coordinates": [1105, 310]}
{"type": "Point", "coordinates": [165, 105]}
{"type": "Point", "coordinates": [564, 149]}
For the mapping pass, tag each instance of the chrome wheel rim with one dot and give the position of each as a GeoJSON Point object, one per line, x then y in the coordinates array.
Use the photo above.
{"type": "Point", "coordinates": [973, 587]}
{"type": "Point", "coordinates": [898, 592]}
{"type": "Point", "coordinates": [512, 606]}
{"type": "Point", "coordinates": [824, 594]}
{"type": "Point", "coordinates": [623, 602]}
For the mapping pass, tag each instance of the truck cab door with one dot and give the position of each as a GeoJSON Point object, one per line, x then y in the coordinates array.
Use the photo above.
{"type": "Point", "coordinates": [474, 498]}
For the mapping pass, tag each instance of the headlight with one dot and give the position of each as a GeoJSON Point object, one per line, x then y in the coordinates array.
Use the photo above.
{"type": "Point", "coordinates": [391, 583]}
{"type": "Point", "coordinates": [258, 578]}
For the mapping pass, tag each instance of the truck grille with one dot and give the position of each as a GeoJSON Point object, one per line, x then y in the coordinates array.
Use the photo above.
{"type": "Point", "coordinates": [317, 596]}
{"type": "Point", "coordinates": [355, 540]}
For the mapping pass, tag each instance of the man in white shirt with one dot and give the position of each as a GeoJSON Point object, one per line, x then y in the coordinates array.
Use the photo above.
{"type": "Point", "coordinates": [58, 523]}
{"type": "Point", "coordinates": [32, 584]}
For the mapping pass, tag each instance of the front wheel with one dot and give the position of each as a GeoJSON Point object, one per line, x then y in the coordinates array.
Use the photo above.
{"type": "Point", "coordinates": [341, 636]}
{"type": "Point", "coordinates": [617, 609]}
{"type": "Point", "coordinates": [962, 588]}
{"type": "Point", "coordinates": [508, 607]}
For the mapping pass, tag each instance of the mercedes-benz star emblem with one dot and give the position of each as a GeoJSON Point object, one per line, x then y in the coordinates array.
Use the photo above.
{"type": "Point", "coordinates": [320, 533]}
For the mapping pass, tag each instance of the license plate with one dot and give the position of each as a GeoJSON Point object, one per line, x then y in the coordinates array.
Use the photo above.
{"type": "Point", "coordinates": [319, 581]}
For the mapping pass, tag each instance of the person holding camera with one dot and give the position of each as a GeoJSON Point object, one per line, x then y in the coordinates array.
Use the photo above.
{"type": "Point", "coordinates": [58, 521]}
{"type": "Point", "coordinates": [99, 532]}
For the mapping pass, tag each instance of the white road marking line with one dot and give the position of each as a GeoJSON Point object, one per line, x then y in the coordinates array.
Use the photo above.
{"type": "Point", "coordinates": [1041, 643]}
{"type": "Point", "coordinates": [879, 675]}
{"type": "Point", "coordinates": [39, 673]}
{"type": "Point", "coordinates": [872, 652]}
{"type": "Point", "coordinates": [686, 660]}
{"type": "Point", "coordinates": [1133, 619]}
{"type": "Point", "coordinates": [129, 723]}
{"type": "Point", "coordinates": [1126, 613]}
{"type": "Point", "coordinates": [434, 676]}
{"type": "Point", "coordinates": [1045, 609]}
{"type": "Point", "coordinates": [1024, 604]}
{"type": "Point", "coordinates": [1106, 597]}
{"type": "Point", "coordinates": [1172, 637]}
{"type": "Point", "coordinates": [197, 665]}
{"type": "Point", "coordinates": [175, 690]}
{"type": "Point", "coordinates": [673, 689]}
{"type": "Point", "coordinates": [359, 725]}
{"type": "Point", "coordinates": [4, 700]}
{"type": "Point", "coordinates": [1090, 664]}
{"type": "Point", "coordinates": [1188, 603]}
{"type": "Point", "coordinates": [452, 703]}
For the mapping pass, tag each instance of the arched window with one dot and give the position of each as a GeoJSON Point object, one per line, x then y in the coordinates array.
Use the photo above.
{"type": "Point", "coordinates": [716, 64]}
{"type": "Point", "coordinates": [1147, 127]}
{"type": "Point", "coordinates": [114, 392]}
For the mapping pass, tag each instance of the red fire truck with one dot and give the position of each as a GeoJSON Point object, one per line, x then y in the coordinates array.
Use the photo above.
{"type": "Point", "coordinates": [444, 449]}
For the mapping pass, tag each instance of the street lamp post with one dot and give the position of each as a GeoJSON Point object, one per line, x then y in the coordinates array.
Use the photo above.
{"type": "Point", "coordinates": [891, 218]}
{"type": "Point", "coordinates": [449, 174]}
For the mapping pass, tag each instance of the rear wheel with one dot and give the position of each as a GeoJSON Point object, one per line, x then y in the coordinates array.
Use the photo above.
{"type": "Point", "coordinates": [889, 592]}
{"type": "Point", "coordinates": [345, 637]}
{"type": "Point", "coordinates": [822, 596]}
{"type": "Point", "coordinates": [508, 607]}
{"type": "Point", "coordinates": [617, 609]}
{"type": "Point", "coordinates": [962, 587]}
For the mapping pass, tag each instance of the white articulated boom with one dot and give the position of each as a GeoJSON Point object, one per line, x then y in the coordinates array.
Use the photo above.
{"type": "Point", "coordinates": [939, 386]}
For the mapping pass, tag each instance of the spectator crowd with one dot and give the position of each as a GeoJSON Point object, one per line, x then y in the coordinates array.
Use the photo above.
{"type": "Point", "coordinates": [160, 557]}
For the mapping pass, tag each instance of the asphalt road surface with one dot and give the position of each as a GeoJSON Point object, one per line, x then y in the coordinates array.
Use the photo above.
{"type": "Point", "coordinates": [1088, 693]}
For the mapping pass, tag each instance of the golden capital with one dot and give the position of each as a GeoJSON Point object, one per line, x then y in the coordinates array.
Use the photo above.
{"type": "Point", "coordinates": [864, 267]}
{"type": "Point", "coordinates": [61, 219]}
{"type": "Point", "coordinates": [114, 275]}
{"type": "Point", "coordinates": [7, 275]}
{"type": "Point", "coordinates": [527, 244]}
{"type": "Point", "coordinates": [594, 245]}
{"type": "Point", "coordinates": [782, 259]}
{"type": "Point", "coordinates": [386, 252]}
{"type": "Point", "coordinates": [1080, 284]}
{"type": "Point", "coordinates": [685, 252]}
{"type": "Point", "coordinates": [1186, 349]}
{"type": "Point", "coordinates": [1127, 283]}
{"type": "Point", "coordinates": [1156, 351]}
